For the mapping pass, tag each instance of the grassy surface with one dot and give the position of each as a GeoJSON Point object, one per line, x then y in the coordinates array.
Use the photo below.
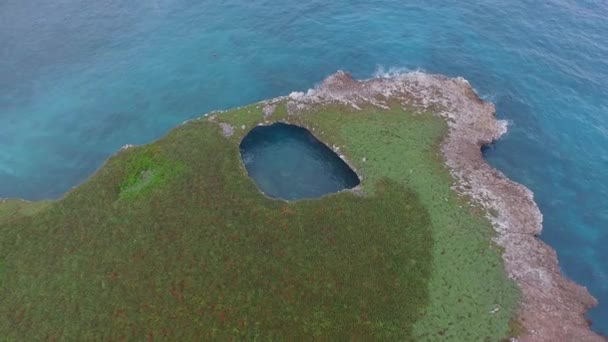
{"type": "Point", "coordinates": [146, 168]}
{"type": "Point", "coordinates": [467, 281]}
{"type": "Point", "coordinates": [173, 241]}
{"type": "Point", "coordinates": [12, 209]}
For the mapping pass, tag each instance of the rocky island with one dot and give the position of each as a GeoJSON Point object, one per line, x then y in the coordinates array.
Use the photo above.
{"type": "Point", "coordinates": [173, 240]}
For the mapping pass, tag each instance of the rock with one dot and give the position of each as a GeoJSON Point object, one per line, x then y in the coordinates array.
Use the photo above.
{"type": "Point", "coordinates": [227, 129]}
{"type": "Point", "coordinates": [268, 110]}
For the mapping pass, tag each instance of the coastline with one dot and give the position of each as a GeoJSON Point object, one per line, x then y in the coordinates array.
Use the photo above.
{"type": "Point", "coordinates": [552, 307]}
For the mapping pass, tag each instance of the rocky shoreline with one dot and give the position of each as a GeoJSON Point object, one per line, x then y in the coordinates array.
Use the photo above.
{"type": "Point", "coordinates": [552, 307]}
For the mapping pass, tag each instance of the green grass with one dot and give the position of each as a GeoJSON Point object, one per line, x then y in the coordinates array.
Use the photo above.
{"type": "Point", "coordinates": [12, 209]}
{"type": "Point", "coordinates": [146, 168]}
{"type": "Point", "coordinates": [1, 271]}
{"type": "Point", "coordinates": [468, 280]}
{"type": "Point", "coordinates": [173, 241]}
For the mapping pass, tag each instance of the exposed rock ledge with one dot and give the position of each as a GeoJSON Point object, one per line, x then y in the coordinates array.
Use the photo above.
{"type": "Point", "coordinates": [552, 307]}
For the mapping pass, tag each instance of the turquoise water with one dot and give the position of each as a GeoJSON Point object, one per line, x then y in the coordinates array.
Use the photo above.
{"type": "Point", "coordinates": [288, 162]}
{"type": "Point", "coordinates": [80, 78]}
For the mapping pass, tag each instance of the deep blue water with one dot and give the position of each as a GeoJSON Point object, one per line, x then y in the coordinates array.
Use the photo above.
{"type": "Point", "coordinates": [80, 78]}
{"type": "Point", "coordinates": [288, 162]}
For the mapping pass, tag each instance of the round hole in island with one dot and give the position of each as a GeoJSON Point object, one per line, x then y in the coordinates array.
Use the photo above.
{"type": "Point", "coordinates": [288, 162]}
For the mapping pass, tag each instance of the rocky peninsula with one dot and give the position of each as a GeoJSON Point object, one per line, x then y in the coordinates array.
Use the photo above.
{"type": "Point", "coordinates": [552, 307]}
{"type": "Point", "coordinates": [173, 240]}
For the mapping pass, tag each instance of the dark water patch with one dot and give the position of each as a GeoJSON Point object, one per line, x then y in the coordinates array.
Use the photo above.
{"type": "Point", "coordinates": [288, 162]}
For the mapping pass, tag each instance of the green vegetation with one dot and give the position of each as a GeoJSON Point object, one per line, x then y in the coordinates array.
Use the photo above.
{"type": "Point", "coordinates": [146, 168]}
{"type": "Point", "coordinates": [13, 209]}
{"type": "Point", "coordinates": [173, 241]}
{"type": "Point", "coordinates": [467, 282]}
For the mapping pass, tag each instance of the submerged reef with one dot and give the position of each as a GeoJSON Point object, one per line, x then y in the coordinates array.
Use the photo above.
{"type": "Point", "coordinates": [174, 240]}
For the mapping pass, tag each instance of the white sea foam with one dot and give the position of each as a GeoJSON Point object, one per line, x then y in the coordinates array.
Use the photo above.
{"type": "Point", "coordinates": [489, 97]}
{"type": "Point", "coordinates": [382, 72]}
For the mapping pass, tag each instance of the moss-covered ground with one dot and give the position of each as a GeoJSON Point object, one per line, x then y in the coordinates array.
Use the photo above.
{"type": "Point", "coordinates": [172, 241]}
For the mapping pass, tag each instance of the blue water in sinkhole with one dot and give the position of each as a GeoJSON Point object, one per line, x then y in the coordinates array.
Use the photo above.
{"type": "Point", "coordinates": [288, 162]}
{"type": "Point", "coordinates": [81, 78]}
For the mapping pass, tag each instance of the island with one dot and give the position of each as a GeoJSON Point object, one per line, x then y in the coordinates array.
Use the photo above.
{"type": "Point", "coordinates": [174, 241]}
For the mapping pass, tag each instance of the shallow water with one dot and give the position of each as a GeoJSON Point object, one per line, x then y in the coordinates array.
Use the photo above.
{"type": "Point", "coordinates": [288, 162]}
{"type": "Point", "coordinates": [80, 78]}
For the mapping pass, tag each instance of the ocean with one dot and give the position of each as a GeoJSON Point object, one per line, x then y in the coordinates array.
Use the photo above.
{"type": "Point", "coordinates": [81, 78]}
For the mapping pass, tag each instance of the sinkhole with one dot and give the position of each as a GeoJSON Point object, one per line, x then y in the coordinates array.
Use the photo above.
{"type": "Point", "coordinates": [290, 163]}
